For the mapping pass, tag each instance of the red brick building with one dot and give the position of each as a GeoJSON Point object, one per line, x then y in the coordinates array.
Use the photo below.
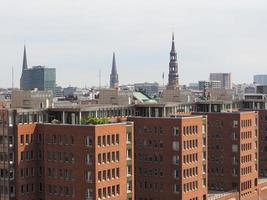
{"type": "Point", "coordinates": [75, 161]}
{"type": "Point", "coordinates": [233, 153]}
{"type": "Point", "coordinates": [170, 158]}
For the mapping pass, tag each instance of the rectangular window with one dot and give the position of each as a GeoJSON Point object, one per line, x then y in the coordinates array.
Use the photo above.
{"type": "Point", "coordinates": [89, 176]}
{"type": "Point", "coordinates": [235, 123]}
{"type": "Point", "coordinates": [176, 188]}
{"type": "Point", "coordinates": [99, 158]}
{"type": "Point", "coordinates": [129, 154]}
{"type": "Point", "coordinates": [99, 176]}
{"type": "Point", "coordinates": [117, 139]}
{"type": "Point", "coordinates": [234, 148]}
{"type": "Point", "coordinates": [129, 186]}
{"type": "Point", "coordinates": [175, 131]}
{"type": "Point", "coordinates": [117, 156]}
{"type": "Point", "coordinates": [99, 141]}
{"type": "Point", "coordinates": [176, 173]}
{"type": "Point", "coordinates": [27, 139]}
{"type": "Point", "coordinates": [129, 137]}
{"type": "Point", "coordinates": [175, 145]}
{"type": "Point", "coordinates": [89, 141]}
{"type": "Point", "coordinates": [113, 139]}
{"type": "Point", "coordinates": [175, 159]}
{"type": "Point", "coordinates": [89, 159]}
{"type": "Point", "coordinates": [104, 140]}
{"type": "Point", "coordinates": [118, 172]}
{"type": "Point", "coordinates": [21, 139]}
{"type": "Point", "coordinates": [118, 189]}
{"type": "Point", "coordinates": [108, 140]}
{"type": "Point", "coordinates": [129, 170]}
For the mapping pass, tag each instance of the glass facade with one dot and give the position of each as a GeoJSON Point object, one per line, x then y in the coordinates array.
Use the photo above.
{"type": "Point", "coordinates": [44, 79]}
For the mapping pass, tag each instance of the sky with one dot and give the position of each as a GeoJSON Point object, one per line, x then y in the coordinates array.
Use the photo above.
{"type": "Point", "coordinates": [78, 39]}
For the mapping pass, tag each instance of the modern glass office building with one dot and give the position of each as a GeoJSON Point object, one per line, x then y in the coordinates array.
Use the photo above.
{"type": "Point", "coordinates": [44, 79]}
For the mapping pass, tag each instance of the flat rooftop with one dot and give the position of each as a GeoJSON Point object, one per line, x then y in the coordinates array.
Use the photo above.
{"type": "Point", "coordinates": [213, 195]}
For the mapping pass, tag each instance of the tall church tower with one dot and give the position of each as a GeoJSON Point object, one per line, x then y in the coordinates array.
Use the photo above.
{"type": "Point", "coordinates": [173, 82]}
{"type": "Point", "coordinates": [114, 78]}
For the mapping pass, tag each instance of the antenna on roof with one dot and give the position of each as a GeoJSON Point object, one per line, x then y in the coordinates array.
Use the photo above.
{"type": "Point", "coordinates": [12, 78]}
{"type": "Point", "coordinates": [99, 78]}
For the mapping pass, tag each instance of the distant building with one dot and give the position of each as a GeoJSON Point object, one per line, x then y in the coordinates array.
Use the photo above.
{"type": "Point", "coordinates": [69, 91]}
{"type": "Point", "coordinates": [150, 89]}
{"type": "Point", "coordinates": [193, 86]}
{"type": "Point", "coordinates": [260, 79]}
{"type": "Point", "coordinates": [58, 91]}
{"type": "Point", "coordinates": [31, 99]}
{"type": "Point", "coordinates": [224, 78]}
{"type": "Point", "coordinates": [114, 78]}
{"type": "Point", "coordinates": [262, 89]}
{"type": "Point", "coordinates": [40, 77]}
{"type": "Point", "coordinates": [209, 85]}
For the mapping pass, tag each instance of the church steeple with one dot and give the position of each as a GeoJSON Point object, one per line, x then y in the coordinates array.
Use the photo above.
{"type": "Point", "coordinates": [114, 78]}
{"type": "Point", "coordinates": [173, 81]}
{"type": "Point", "coordinates": [25, 64]}
{"type": "Point", "coordinates": [173, 45]}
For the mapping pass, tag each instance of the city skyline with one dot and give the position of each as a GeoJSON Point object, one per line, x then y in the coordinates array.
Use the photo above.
{"type": "Point", "coordinates": [79, 39]}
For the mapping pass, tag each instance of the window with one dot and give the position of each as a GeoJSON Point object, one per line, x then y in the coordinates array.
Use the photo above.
{"type": "Point", "coordinates": [129, 170]}
{"type": "Point", "coordinates": [129, 154]}
{"type": "Point", "coordinates": [99, 176]}
{"type": "Point", "coordinates": [175, 131]}
{"type": "Point", "coordinates": [118, 189]}
{"type": "Point", "coordinates": [113, 139]}
{"type": "Point", "coordinates": [22, 156]}
{"type": "Point", "coordinates": [108, 140]}
{"type": "Point", "coordinates": [118, 156]}
{"type": "Point", "coordinates": [104, 175]}
{"type": "Point", "coordinates": [175, 145]}
{"type": "Point", "coordinates": [89, 141]}
{"type": "Point", "coordinates": [117, 172]}
{"type": "Point", "coordinates": [99, 158]}
{"type": "Point", "coordinates": [234, 148]}
{"type": "Point", "coordinates": [89, 159]}
{"type": "Point", "coordinates": [100, 193]}
{"type": "Point", "coordinates": [117, 139]}
{"type": "Point", "coordinates": [175, 188]}
{"type": "Point", "coordinates": [104, 158]}
{"type": "Point", "coordinates": [129, 186]}
{"type": "Point", "coordinates": [129, 137]}
{"type": "Point", "coordinates": [89, 193]}
{"type": "Point", "coordinates": [27, 139]}
{"type": "Point", "coordinates": [21, 139]}
{"type": "Point", "coordinates": [99, 141]}
{"type": "Point", "coordinates": [89, 176]}
{"type": "Point", "coordinates": [104, 140]}
{"type": "Point", "coordinates": [234, 136]}
{"type": "Point", "coordinates": [176, 173]}
{"type": "Point", "coordinates": [175, 159]}
{"type": "Point", "coordinates": [235, 123]}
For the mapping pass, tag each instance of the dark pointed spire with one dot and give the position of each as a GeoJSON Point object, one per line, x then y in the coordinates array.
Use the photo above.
{"type": "Point", "coordinates": [173, 45]}
{"type": "Point", "coordinates": [114, 67]}
{"type": "Point", "coordinates": [25, 64]}
{"type": "Point", "coordinates": [114, 78]}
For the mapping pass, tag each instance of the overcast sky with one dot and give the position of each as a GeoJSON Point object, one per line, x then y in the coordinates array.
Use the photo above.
{"type": "Point", "coordinates": [77, 37]}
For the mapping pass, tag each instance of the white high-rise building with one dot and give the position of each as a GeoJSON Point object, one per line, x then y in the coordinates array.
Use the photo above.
{"type": "Point", "coordinates": [224, 78]}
